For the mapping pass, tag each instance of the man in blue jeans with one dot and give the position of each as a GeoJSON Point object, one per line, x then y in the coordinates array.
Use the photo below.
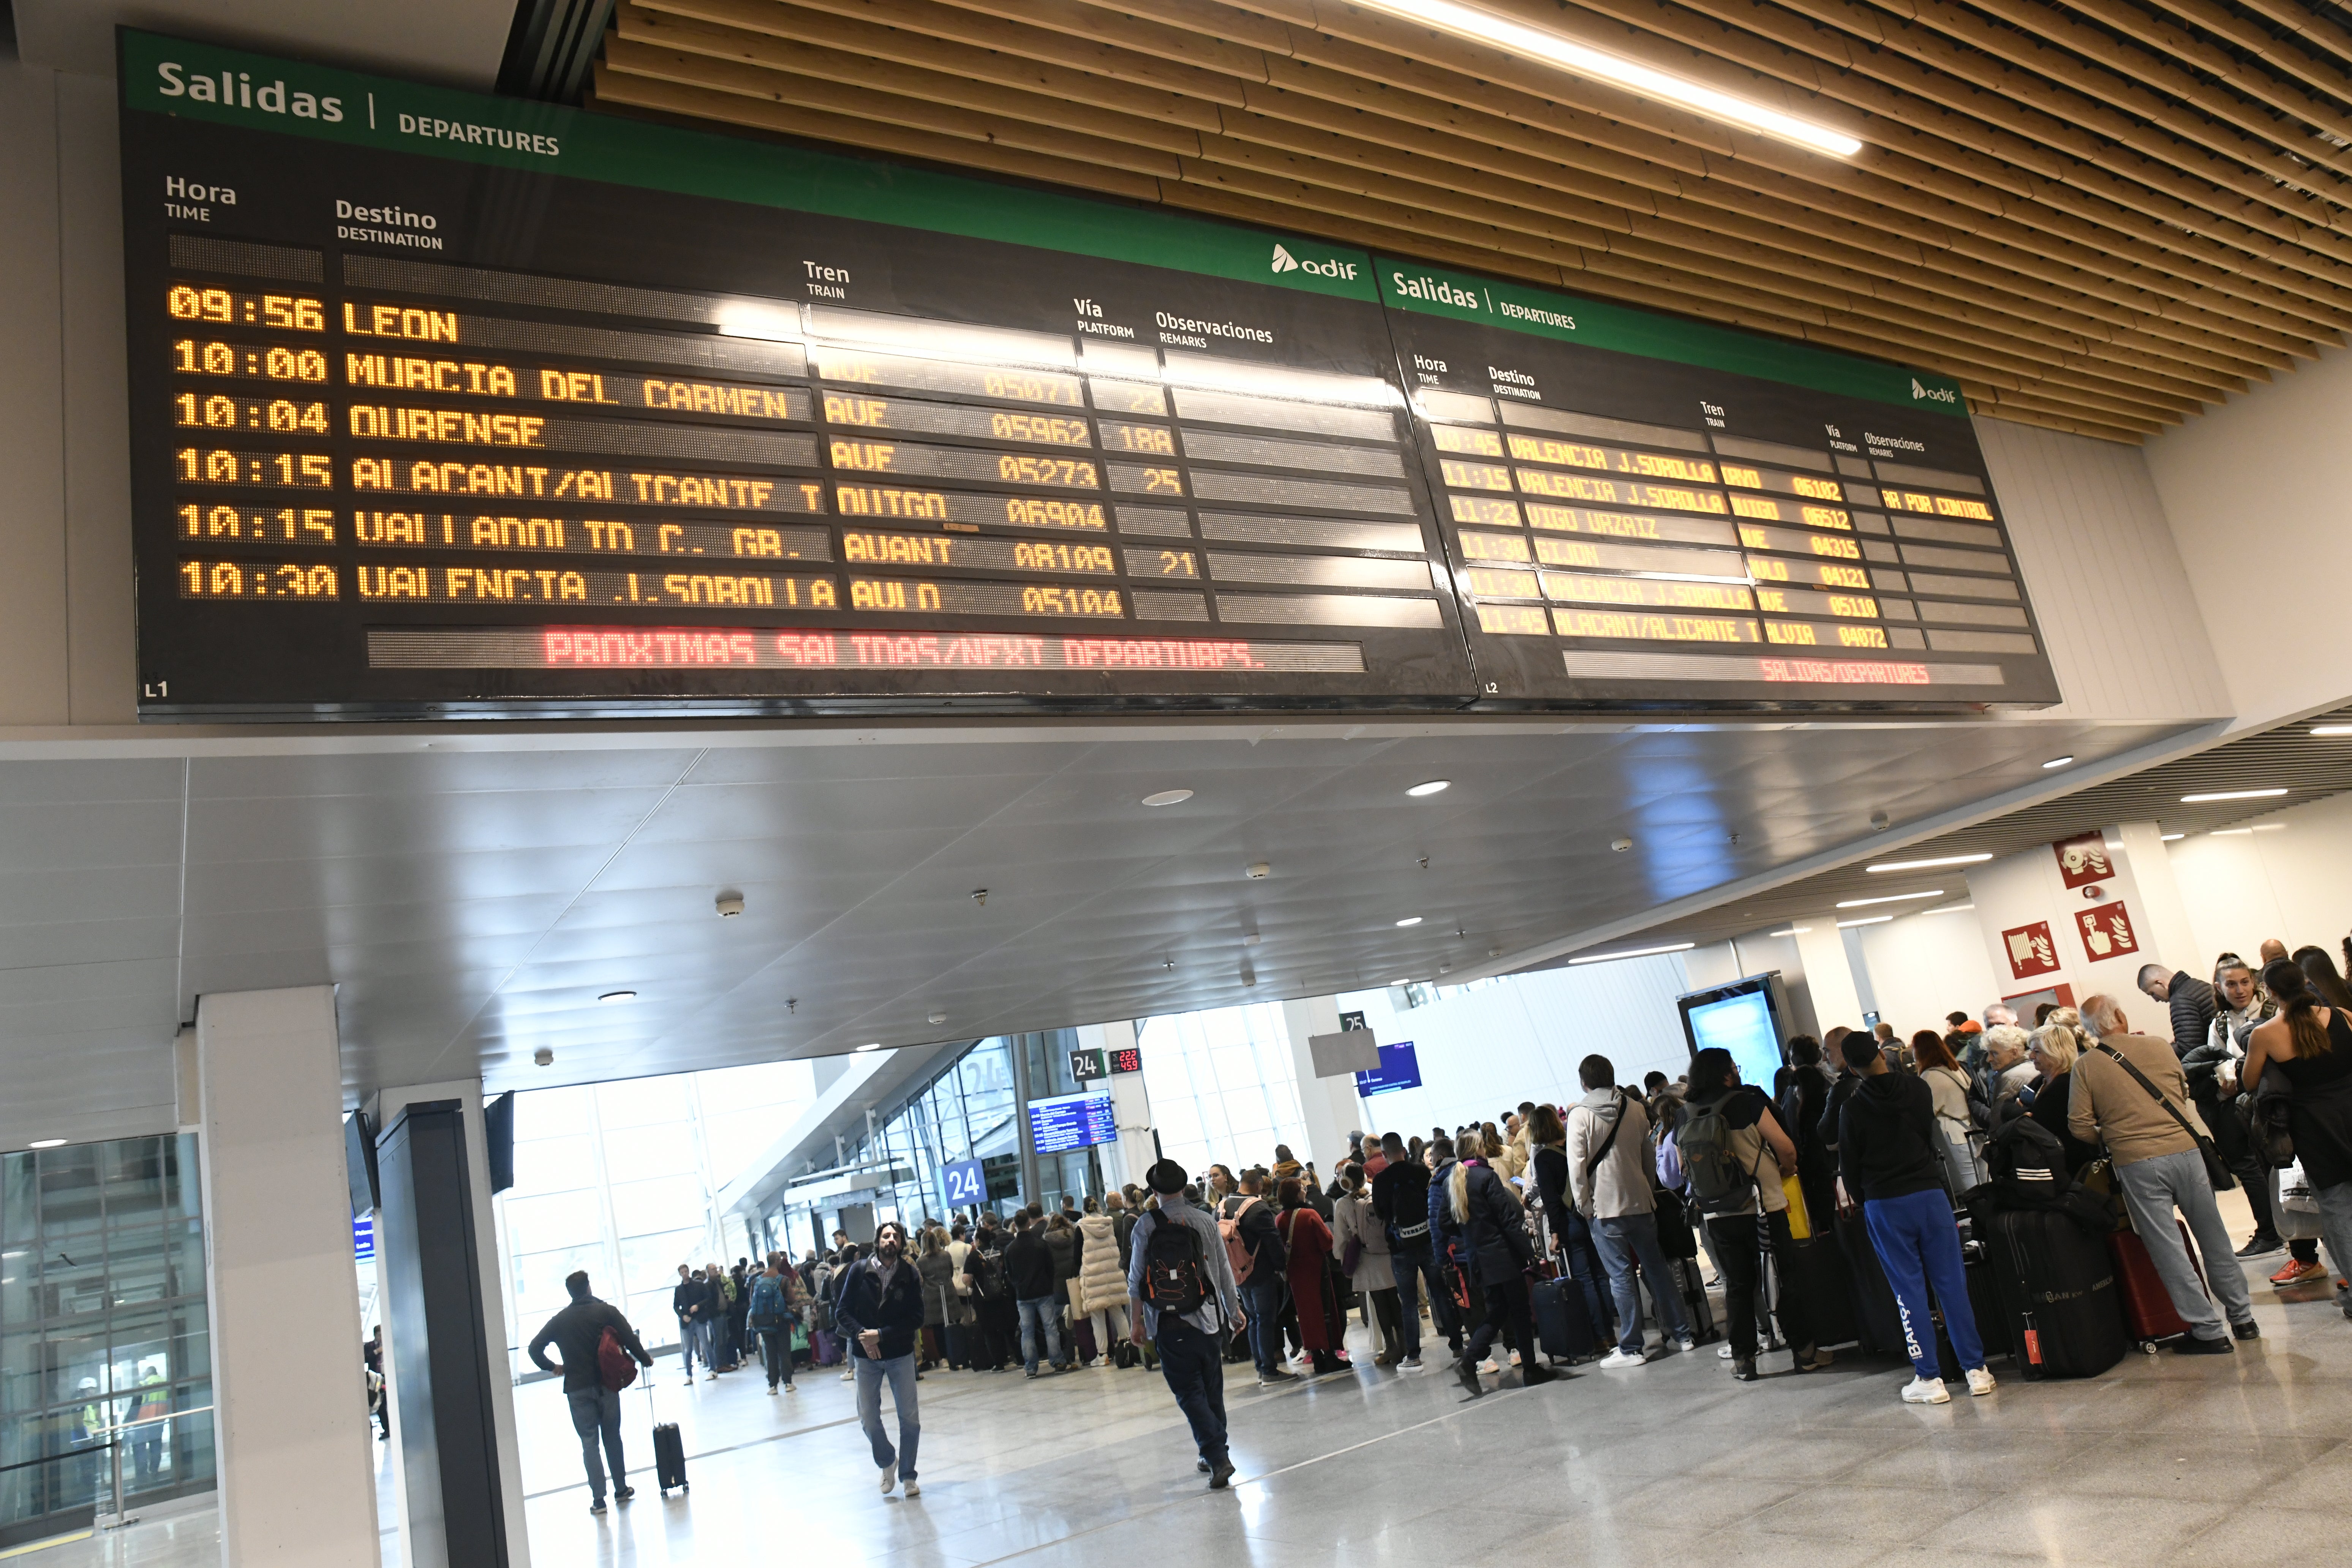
{"type": "Point", "coordinates": [881, 1313]}
{"type": "Point", "coordinates": [1029, 1270]}
{"type": "Point", "coordinates": [577, 1332]}
{"type": "Point", "coordinates": [1609, 1178]}
{"type": "Point", "coordinates": [1253, 1220]}
{"type": "Point", "coordinates": [1890, 1155]}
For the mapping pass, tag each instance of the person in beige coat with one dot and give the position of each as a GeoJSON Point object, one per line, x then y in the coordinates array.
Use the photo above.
{"type": "Point", "coordinates": [1356, 1228]}
{"type": "Point", "coordinates": [1101, 1284]}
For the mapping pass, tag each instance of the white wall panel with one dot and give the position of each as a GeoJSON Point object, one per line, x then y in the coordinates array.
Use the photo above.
{"type": "Point", "coordinates": [1924, 965]}
{"type": "Point", "coordinates": [2255, 489]}
{"type": "Point", "coordinates": [2290, 877]}
{"type": "Point", "coordinates": [1484, 1050]}
{"type": "Point", "coordinates": [2109, 589]}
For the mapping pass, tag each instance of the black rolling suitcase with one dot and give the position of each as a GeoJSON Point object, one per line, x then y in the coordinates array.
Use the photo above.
{"type": "Point", "coordinates": [2057, 1294]}
{"type": "Point", "coordinates": [1563, 1328]}
{"type": "Point", "coordinates": [669, 1452]}
{"type": "Point", "coordinates": [1697, 1311]}
{"type": "Point", "coordinates": [1827, 1286]}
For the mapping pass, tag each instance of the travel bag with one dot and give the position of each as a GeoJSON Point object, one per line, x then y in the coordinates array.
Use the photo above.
{"type": "Point", "coordinates": [1563, 1328]}
{"type": "Point", "coordinates": [669, 1452]}
{"type": "Point", "coordinates": [825, 1348]}
{"type": "Point", "coordinates": [2057, 1287]}
{"type": "Point", "coordinates": [1828, 1284]}
{"type": "Point", "coordinates": [1082, 1341]}
{"type": "Point", "coordinates": [1877, 1317]}
{"type": "Point", "coordinates": [2148, 1313]}
{"type": "Point", "coordinates": [1698, 1313]}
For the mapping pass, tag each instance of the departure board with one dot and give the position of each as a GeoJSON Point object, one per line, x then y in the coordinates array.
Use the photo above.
{"type": "Point", "coordinates": [447, 405]}
{"type": "Point", "coordinates": [1648, 511]}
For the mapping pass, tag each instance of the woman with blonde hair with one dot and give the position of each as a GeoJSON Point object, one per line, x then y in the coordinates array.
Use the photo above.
{"type": "Point", "coordinates": [1486, 1214]}
{"type": "Point", "coordinates": [2052, 1050]}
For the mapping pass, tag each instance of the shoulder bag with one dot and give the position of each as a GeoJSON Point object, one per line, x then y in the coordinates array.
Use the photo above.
{"type": "Point", "coordinates": [1601, 1153]}
{"type": "Point", "coordinates": [2216, 1172]}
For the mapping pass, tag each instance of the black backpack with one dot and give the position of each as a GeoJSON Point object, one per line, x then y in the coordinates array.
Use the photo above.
{"type": "Point", "coordinates": [2028, 1165]}
{"type": "Point", "coordinates": [1175, 1268]}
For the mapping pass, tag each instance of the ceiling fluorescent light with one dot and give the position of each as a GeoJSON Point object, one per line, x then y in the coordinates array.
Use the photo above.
{"type": "Point", "coordinates": [2170, 837]}
{"type": "Point", "coordinates": [2231, 832]}
{"type": "Point", "coordinates": [1635, 953]}
{"type": "Point", "coordinates": [1889, 898]}
{"type": "Point", "coordinates": [1865, 920]}
{"type": "Point", "coordinates": [1789, 930]}
{"type": "Point", "coordinates": [1949, 910]}
{"type": "Point", "coordinates": [2332, 729]}
{"type": "Point", "coordinates": [1481, 27]}
{"type": "Point", "coordinates": [2230, 794]}
{"type": "Point", "coordinates": [1928, 865]}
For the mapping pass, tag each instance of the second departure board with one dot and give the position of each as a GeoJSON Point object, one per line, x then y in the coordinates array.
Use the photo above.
{"type": "Point", "coordinates": [449, 406]}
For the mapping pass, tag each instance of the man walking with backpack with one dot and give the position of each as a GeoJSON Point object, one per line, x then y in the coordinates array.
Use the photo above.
{"type": "Point", "coordinates": [598, 1347]}
{"type": "Point", "coordinates": [1181, 1293]}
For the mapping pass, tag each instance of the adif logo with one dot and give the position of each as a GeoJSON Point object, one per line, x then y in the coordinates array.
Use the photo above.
{"type": "Point", "coordinates": [1934, 395]}
{"type": "Point", "coordinates": [1286, 262]}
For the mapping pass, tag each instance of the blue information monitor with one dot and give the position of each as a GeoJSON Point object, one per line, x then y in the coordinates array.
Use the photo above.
{"type": "Point", "coordinates": [1742, 1025]}
{"type": "Point", "coordinates": [962, 1184]}
{"type": "Point", "coordinates": [1399, 1068]}
{"type": "Point", "coordinates": [1068, 1121]}
{"type": "Point", "coordinates": [364, 1238]}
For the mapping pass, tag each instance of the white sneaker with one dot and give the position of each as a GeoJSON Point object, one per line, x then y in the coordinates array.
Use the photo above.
{"type": "Point", "coordinates": [1981, 1381]}
{"type": "Point", "coordinates": [914, 1486]}
{"type": "Point", "coordinates": [849, 1377]}
{"type": "Point", "coordinates": [1722, 1352]}
{"type": "Point", "coordinates": [890, 1474]}
{"type": "Point", "coordinates": [1687, 1344]}
{"type": "Point", "coordinates": [1926, 1391]}
{"type": "Point", "coordinates": [1409, 1363]}
{"type": "Point", "coordinates": [1618, 1358]}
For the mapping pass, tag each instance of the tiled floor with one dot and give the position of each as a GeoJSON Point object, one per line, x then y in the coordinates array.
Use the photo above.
{"type": "Point", "coordinates": [2150, 1467]}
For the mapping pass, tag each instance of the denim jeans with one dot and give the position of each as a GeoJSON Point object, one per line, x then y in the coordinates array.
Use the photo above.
{"type": "Point", "coordinates": [1194, 1362]}
{"type": "Point", "coordinates": [1261, 1299]}
{"type": "Point", "coordinates": [2336, 1224]}
{"type": "Point", "coordinates": [1622, 1242]}
{"type": "Point", "coordinates": [1413, 1270]}
{"type": "Point", "coordinates": [1919, 1247]}
{"type": "Point", "coordinates": [694, 1341]}
{"type": "Point", "coordinates": [2152, 1190]}
{"type": "Point", "coordinates": [901, 1370]}
{"type": "Point", "coordinates": [596, 1413]}
{"type": "Point", "coordinates": [1041, 1316]}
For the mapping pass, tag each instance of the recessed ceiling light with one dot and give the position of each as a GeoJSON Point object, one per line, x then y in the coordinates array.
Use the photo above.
{"type": "Point", "coordinates": [1889, 898]}
{"type": "Point", "coordinates": [2058, 762]}
{"type": "Point", "coordinates": [1949, 910]}
{"type": "Point", "coordinates": [1635, 953]}
{"type": "Point", "coordinates": [1865, 920]}
{"type": "Point", "coordinates": [2332, 729]}
{"type": "Point", "coordinates": [1410, 920]}
{"type": "Point", "coordinates": [1789, 930]}
{"type": "Point", "coordinates": [46, 1144]}
{"type": "Point", "coordinates": [1168, 797]}
{"type": "Point", "coordinates": [618, 996]}
{"type": "Point", "coordinates": [872, 1045]}
{"type": "Point", "coordinates": [1583, 59]}
{"type": "Point", "coordinates": [1433, 787]}
{"type": "Point", "coordinates": [2170, 837]}
{"type": "Point", "coordinates": [1928, 865]}
{"type": "Point", "coordinates": [2231, 795]}
{"type": "Point", "coordinates": [2231, 832]}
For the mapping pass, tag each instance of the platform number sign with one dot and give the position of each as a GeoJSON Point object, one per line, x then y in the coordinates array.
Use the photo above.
{"type": "Point", "coordinates": [962, 1184]}
{"type": "Point", "coordinates": [1086, 1065]}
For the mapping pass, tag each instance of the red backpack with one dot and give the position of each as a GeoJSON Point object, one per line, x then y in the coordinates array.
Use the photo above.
{"type": "Point", "coordinates": [615, 1365]}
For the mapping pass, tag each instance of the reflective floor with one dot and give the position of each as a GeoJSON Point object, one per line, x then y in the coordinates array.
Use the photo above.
{"type": "Point", "coordinates": [2151, 1464]}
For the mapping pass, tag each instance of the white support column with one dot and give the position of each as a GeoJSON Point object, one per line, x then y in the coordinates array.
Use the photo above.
{"type": "Point", "coordinates": [1131, 1105]}
{"type": "Point", "coordinates": [2171, 939]}
{"type": "Point", "coordinates": [1327, 1105]}
{"type": "Point", "coordinates": [1829, 972]}
{"type": "Point", "coordinates": [388, 1103]}
{"type": "Point", "coordinates": [296, 1463]}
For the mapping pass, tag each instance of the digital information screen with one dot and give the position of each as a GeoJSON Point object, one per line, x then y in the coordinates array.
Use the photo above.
{"type": "Point", "coordinates": [447, 405]}
{"type": "Point", "coordinates": [1068, 1121]}
{"type": "Point", "coordinates": [1741, 1024]}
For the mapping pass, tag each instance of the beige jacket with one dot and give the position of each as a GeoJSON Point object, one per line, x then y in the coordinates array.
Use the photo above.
{"type": "Point", "coordinates": [1620, 1184]}
{"type": "Point", "coordinates": [2107, 1103]}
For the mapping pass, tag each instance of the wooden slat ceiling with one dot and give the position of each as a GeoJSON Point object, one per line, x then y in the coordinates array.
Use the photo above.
{"type": "Point", "coordinates": [2097, 216]}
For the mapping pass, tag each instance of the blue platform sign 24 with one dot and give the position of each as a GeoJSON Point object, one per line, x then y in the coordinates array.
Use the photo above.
{"type": "Point", "coordinates": [962, 1184]}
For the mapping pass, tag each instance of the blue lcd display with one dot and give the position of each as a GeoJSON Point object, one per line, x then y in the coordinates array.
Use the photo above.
{"type": "Point", "coordinates": [1070, 1121]}
{"type": "Point", "coordinates": [1742, 1025]}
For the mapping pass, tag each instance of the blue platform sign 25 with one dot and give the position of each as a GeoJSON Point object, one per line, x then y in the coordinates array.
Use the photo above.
{"type": "Point", "coordinates": [962, 1184]}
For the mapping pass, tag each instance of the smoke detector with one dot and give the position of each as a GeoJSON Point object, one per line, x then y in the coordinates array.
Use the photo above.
{"type": "Point", "coordinates": [1620, 845]}
{"type": "Point", "coordinates": [544, 1056]}
{"type": "Point", "coordinates": [1258, 870]}
{"type": "Point", "coordinates": [729, 905]}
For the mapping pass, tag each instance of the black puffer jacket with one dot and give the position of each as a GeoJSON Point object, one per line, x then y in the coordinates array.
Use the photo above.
{"type": "Point", "coordinates": [2193, 1005]}
{"type": "Point", "coordinates": [1496, 1225]}
{"type": "Point", "coordinates": [896, 1310]}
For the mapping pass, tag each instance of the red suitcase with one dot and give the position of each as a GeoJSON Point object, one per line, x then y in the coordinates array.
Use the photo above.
{"type": "Point", "coordinates": [2148, 1313]}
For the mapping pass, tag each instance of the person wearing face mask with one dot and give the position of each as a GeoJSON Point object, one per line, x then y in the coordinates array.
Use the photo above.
{"type": "Point", "coordinates": [881, 1313]}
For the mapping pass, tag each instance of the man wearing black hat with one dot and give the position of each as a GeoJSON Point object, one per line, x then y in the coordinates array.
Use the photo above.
{"type": "Point", "coordinates": [1180, 1288]}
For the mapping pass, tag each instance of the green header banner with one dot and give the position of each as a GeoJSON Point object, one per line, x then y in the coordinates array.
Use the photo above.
{"type": "Point", "coordinates": [202, 81]}
{"type": "Point", "coordinates": [260, 92]}
{"type": "Point", "coordinates": [1569, 318]}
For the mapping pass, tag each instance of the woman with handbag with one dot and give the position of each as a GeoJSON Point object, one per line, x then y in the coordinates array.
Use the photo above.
{"type": "Point", "coordinates": [1322, 1326]}
{"type": "Point", "coordinates": [2310, 1044]}
{"type": "Point", "coordinates": [1365, 1259]}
